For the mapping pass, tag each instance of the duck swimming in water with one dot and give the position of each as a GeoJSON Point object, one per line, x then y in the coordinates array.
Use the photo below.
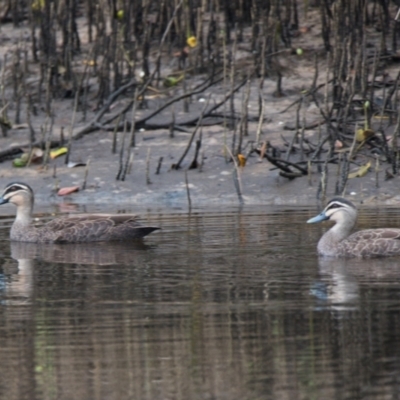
{"type": "Point", "coordinates": [339, 242]}
{"type": "Point", "coordinates": [81, 228]}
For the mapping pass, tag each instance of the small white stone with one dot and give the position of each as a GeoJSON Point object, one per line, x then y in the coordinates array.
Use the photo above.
{"type": "Point", "coordinates": [189, 185]}
{"type": "Point", "coordinates": [225, 173]}
{"type": "Point", "coordinates": [353, 193]}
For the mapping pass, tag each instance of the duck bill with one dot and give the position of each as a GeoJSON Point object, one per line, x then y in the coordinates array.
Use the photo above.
{"type": "Point", "coordinates": [319, 218]}
{"type": "Point", "coordinates": [3, 200]}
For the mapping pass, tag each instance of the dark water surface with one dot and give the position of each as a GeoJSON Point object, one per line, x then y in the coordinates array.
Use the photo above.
{"type": "Point", "coordinates": [218, 305]}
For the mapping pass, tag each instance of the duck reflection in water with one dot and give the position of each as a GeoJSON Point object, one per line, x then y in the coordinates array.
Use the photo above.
{"type": "Point", "coordinates": [341, 280]}
{"type": "Point", "coordinates": [112, 253]}
{"type": "Point", "coordinates": [16, 283]}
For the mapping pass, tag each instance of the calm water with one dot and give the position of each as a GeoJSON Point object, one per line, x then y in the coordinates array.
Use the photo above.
{"type": "Point", "coordinates": [217, 305]}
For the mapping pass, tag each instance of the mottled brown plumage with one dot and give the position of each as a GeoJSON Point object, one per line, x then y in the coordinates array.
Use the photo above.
{"type": "Point", "coordinates": [82, 228]}
{"type": "Point", "coordinates": [338, 242]}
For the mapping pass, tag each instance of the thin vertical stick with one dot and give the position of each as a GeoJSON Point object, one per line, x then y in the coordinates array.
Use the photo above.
{"type": "Point", "coordinates": [261, 118]}
{"type": "Point", "coordinates": [148, 181]}
{"type": "Point", "coordinates": [309, 171]}
{"type": "Point", "coordinates": [303, 128]}
{"type": "Point", "coordinates": [295, 136]}
{"type": "Point", "coordinates": [232, 83]}
{"type": "Point", "coordinates": [160, 160]}
{"type": "Point", "coordinates": [184, 86]}
{"type": "Point", "coordinates": [237, 178]}
{"type": "Point", "coordinates": [188, 190]}
{"type": "Point", "coordinates": [225, 63]}
{"type": "Point", "coordinates": [394, 146]}
{"type": "Point", "coordinates": [3, 80]}
{"type": "Point", "coordinates": [71, 128]}
{"type": "Point", "coordinates": [121, 153]}
{"type": "Point", "coordinates": [86, 174]}
{"type": "Point", "coordinates": [48, 142]}
{"type": "Point", "coordinates": [114, 139]}
{"type": "Point", "coordinates": [132, 141]}
{"type": "Point", "coordinates": [172, 124]}
{"type": "Point", "coordinates": [377, 171]}
{"type": "Point", "coordinates": [338, 174]}
{"type": "Point", "coordinates": [321, 192]}
{"type": "Point", "coordinates": [130, 164]}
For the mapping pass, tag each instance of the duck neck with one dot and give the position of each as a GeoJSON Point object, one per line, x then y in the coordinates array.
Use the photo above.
{"type": "Point", "coordinates": [24, 214]}
{"type": "Point", "coordinates": [341, 230]}
{"type": "Point", "coordinates": [329, 242]}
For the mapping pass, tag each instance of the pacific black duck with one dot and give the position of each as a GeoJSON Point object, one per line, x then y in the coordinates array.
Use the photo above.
{"type": "Point", "coordinates": [82, 228]}
{"type": "Point", "coordinates": [337, 241]}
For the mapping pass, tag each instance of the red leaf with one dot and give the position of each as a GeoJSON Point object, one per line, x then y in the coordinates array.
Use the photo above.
{"type": "Point", "coordinates": [68, 190]}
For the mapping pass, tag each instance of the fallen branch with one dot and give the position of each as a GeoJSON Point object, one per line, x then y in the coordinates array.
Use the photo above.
{"type": "Point", "coordinates": [285, 167]}
{"type": "Point", "coordinates": [141, 123]}
{"type": "Point", "coordinates": [94, 124]}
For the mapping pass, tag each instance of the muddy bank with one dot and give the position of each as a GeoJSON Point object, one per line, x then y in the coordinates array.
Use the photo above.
{"type": "Point", "coordinates": [213, 185]}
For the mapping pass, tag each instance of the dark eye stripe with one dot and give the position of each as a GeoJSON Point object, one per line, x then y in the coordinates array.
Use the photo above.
{"type": "Point", "coordinates": [334, 205]}
{"type": "Point", "coordinates": [15, 188]}
{"type": "Point", "coordinates": [339, 202]}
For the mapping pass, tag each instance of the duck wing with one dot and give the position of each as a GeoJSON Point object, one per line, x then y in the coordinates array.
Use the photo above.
{"type": "Point", "coordinates": [372, 243]}
{"type": "Point", "coordinates": [97, 227]}
{"type": "Point", "coordinates": [374, 234]}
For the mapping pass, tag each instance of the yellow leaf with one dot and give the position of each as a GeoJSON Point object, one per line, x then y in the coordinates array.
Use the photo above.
{"type": "Point", "coordinates": [191, 41]}
{"type": "Point", "coordinates": [58, 152]}
{"type": "Point", "coordinates": [241, 160]}
{"type": "Point", "coordinates": [363, 134]}
{"type": "Point", "coordinates": [362, 171]}
{"type": "Point", "coordinates": [120, 14]}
